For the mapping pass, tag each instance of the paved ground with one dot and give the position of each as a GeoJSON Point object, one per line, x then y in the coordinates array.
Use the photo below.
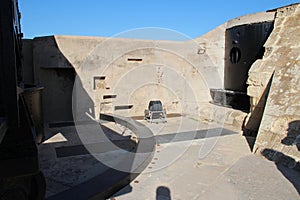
{"type": "Point", "coordinates": [211, 168]}
{"type": "Point", "coordinates": [71, 155]}
{"type": "Point", "coordinates": [229, 171]}
{"type": "Point", "coordinates": [192, 160]}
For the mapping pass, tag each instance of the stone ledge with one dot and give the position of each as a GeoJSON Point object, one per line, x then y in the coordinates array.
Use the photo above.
{"type": "Point", "coordinates": [223, 115]}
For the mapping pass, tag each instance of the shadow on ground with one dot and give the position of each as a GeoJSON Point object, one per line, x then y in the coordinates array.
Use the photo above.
{"type": "Point", "coordinates": [288, 166]}
{"type": "Point", "coordinates": [71, 168]}
{"type": "Point", "coordinates": [163, 193]}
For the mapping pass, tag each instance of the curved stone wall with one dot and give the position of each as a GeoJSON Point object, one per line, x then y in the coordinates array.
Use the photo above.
{"type": "Point", "coordinates": [120, 75]}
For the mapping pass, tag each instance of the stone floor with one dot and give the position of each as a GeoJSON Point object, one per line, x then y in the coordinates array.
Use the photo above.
{"type": "Point", "coordinates": [220, 167]}
{"type": "Point", "coordinates": [192, 160]}
{"type": "Point", "coordinates": [70, 156]}
{"type": "Point", "coordinates": [228, 171]}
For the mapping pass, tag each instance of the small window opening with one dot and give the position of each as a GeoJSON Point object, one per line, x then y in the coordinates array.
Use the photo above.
{"type": "Point", "coordinates": [123, 107]}
{"type": "Point", "coordinates": [135, 59]}
{"type": "Point", "coordinates": [109, 96]}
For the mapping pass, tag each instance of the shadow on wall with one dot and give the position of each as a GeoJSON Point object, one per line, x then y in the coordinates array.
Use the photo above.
{"type": "Point", "coordinates": [58, 76]}
{"type": "Point", "coordinates": [100, 184]}
{"type": "Point", "coordinates": [281, 160]}
{"type": "Point", "coordinates": [251, 126]}
{"type": "Point", "coordinates": [56, 73]}
{"type": "Point", "coordinates": [163, 193]}
{"type": "Point", "coordinates": [287, 165]}
{"type": "Point", "coordinates": [82, 104]}
{"type": "Point", "coordinates": [293, 135]}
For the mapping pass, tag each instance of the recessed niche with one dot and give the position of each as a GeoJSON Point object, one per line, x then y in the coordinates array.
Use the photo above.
{"type": "Point", "coordinates": [99, 82]}
{"type": "Point", "coordinates": [123, 107]}
{"type": "Point", "coordinates": [109, 96]}
{"type": "Point", "coordinates": [135, 59]}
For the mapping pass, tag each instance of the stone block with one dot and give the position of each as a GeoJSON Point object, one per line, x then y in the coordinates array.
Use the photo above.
{"type": "Point", "coordinates": [268, 52]}
{"type": "Point", "coordinates": [280, 125]}
{"type": "Point", "coordinates": [255, 91]}
{"type": "Point", "coordinates": [256, 66]}
{"type": "Point", "coordinates": [253, 78]}
{"type": "Point", "coordinates": [253, 101]}
{"type": "Point", "coordinates": [286, 11]}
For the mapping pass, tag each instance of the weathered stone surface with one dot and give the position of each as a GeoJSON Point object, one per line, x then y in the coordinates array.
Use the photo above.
{"type": "Point", "coordinates": [281, 120]}
{"type": "Point", "coordinates": [222, 115]}
{"type": "Point", "coordinates": [178, 73]}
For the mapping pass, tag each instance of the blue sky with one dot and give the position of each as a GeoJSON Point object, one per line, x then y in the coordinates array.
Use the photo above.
{"type": "Point", "coordinates": [110, 17]}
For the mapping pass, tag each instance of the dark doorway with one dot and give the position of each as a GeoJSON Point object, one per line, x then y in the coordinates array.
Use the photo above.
{"type": "Point", "coordinates": [243, 46]}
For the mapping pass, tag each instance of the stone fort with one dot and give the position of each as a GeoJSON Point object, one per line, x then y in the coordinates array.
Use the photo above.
{"type": "Point", "coordinates": [244, 73]}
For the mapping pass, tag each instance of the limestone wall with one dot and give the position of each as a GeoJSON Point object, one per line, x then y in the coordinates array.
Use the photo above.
{"type": "Point", "coordinates": [281, 117]}
{"type": "Point", "coordinates": [122, 73]}
{"type": "Point", "coordinates": [114, 73]}
{"type": "Point", "coordinates": [178, 73]}
{"type": "Point", "coordinates": [56, 72]}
